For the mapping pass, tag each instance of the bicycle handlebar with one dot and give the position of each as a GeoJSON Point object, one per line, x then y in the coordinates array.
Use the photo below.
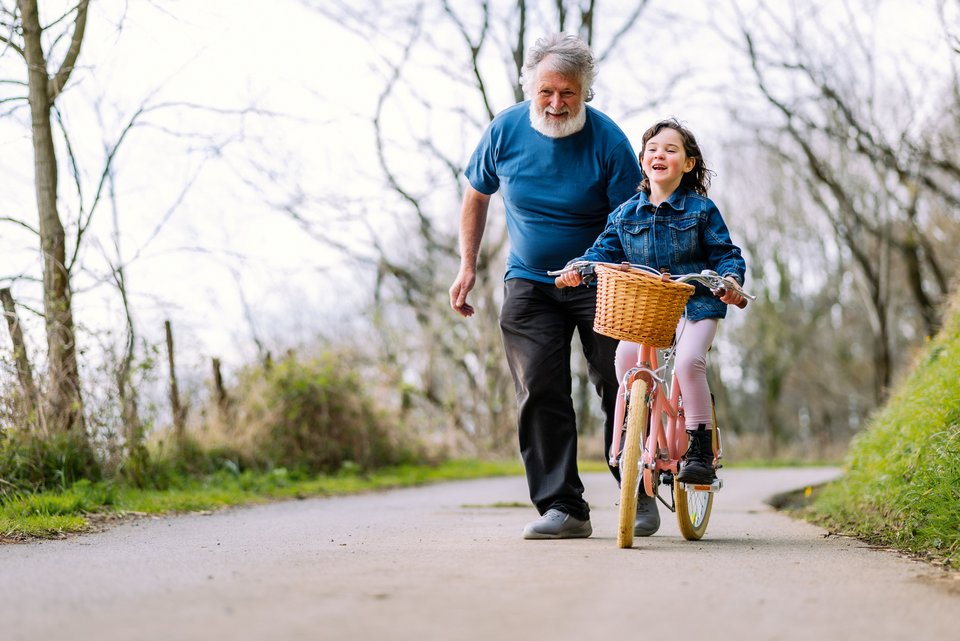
{"type": "Point", "coordinates": [713, 281]}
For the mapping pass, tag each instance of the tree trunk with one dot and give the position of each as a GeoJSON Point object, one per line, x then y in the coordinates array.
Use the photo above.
{"type": "Point", "coordinates": [28, 388]}
{"type": "Point", "coordinates": [64, 404]}
{"type": "Point", "coordinates": [179, 415]}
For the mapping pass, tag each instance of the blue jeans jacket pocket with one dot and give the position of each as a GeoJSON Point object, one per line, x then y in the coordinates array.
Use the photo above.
{"type": "Point", "coordinates": [637, 241]}
{"type": "Point", "coordinates": [684, 232]}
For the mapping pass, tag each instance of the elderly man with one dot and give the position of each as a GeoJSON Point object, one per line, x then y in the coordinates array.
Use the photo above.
{"type": "Point", "coordinates": [561, 167]}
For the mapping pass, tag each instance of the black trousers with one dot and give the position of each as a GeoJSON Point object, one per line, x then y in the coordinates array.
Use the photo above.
{"type": "Point", "coordinates": [537, 321]}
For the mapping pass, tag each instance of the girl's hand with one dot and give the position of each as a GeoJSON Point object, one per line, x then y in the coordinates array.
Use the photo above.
{"type": "Point", "coordinates": [731, 297]}
{"type": "Point", "coordinates": [569, 279]}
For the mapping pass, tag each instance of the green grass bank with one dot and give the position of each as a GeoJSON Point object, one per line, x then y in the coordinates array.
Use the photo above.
{"type": "Point", "coordinates": [901, 481]}
{"type": "Point", "coordinates": [85, 504]}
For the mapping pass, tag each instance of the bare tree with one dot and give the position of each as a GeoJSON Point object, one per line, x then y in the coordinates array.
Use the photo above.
{"type": "Point", "coordinates": [880, 175]}
{"type": "Point", "coordinates": [797, 354]}
{"type": "Point", "coordinates": [48, 48]}
{"type": "Point", "coordinates": [23, 34]}
{"type": "Point", "coordinates": [126, 389]}
{"type": "Point", "coordinates": [474, 52]}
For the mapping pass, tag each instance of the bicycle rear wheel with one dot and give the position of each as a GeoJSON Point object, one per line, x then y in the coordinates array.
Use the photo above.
{"type": "Point", "coordinates": [694, 506]}
{"type": "Point", "coordinates": [693, 510]}
{"type": "Point", "coordinates": [630, 463]}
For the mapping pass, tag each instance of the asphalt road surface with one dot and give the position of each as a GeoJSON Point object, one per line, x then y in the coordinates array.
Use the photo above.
{"type": "Point", "coordinates": [447, 562]}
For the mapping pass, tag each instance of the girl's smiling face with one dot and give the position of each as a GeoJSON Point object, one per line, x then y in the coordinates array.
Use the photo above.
{"type": "Point", "coordinates": [665, 161]}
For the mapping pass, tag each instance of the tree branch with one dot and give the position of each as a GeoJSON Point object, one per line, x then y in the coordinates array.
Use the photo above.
{"type": "Point", "coordinates": [625, 28]}
{"type": "Point", "coordinates": [59, 80]}
{"type": "Point", "coordinates": [8, 219]}
{"type": "Point", "coordinates": [474, 49]}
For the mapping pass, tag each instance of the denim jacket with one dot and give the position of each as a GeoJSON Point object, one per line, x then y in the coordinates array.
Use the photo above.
{"type": "Point", "coordinates": [684, 234]}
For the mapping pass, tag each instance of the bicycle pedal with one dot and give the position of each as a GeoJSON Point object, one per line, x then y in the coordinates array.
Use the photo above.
{"type": "Point", "coordinates": [703, 487]}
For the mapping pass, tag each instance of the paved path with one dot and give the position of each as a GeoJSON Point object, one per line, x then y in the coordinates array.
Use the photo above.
{"type": "Point", "coordinates": [444, 562]}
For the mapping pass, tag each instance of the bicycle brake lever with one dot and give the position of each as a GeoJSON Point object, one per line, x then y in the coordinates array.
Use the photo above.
{"type": "Point", "coordinates": [588, 274]}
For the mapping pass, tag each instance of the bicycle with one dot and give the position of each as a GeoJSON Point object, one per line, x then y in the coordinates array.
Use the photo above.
{"type": "Point", "coordinates": [638, 304]}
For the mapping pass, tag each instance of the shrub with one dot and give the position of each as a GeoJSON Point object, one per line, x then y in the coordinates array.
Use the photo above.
{"type": "Point", "coordinates": [310, 415]}
{"type": "Point", "coordinates": [319, 417]}
{"type": "Point", "coordinates": [31, 462]}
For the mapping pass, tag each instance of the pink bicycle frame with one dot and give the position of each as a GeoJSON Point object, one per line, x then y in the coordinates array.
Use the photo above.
{"type": "Point", "coordinates": [665, 440]}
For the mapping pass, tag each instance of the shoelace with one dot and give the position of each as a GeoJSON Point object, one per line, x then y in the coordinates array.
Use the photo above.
{"type": "Point", "coordinates": [695, 451]}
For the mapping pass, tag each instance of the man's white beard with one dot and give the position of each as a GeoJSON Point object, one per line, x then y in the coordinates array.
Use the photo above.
{"type": "Point", "coordinates": [555, 129]}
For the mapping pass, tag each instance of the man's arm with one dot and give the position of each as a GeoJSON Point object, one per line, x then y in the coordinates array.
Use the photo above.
{"type": "Point", "coordinates": [473, 220]}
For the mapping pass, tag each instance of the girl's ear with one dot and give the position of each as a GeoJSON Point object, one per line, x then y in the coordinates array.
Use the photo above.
{"type": "Point", "coordinates": [689, 164]}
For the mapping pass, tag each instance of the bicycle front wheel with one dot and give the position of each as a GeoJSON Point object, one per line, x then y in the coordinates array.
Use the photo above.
{"type": "Point", "coordinates": [693, 511]}
{"type": "Point", "coordinates": [630, 463]}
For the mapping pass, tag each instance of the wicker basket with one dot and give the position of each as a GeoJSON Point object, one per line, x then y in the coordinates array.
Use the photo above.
{"type": "Point", "coordinates": [638, 307]}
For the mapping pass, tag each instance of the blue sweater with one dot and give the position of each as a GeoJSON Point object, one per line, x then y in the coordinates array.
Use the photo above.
{"type": "Point", "coordinates": [557, 192]}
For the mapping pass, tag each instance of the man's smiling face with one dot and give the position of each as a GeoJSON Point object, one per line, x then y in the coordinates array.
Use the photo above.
{"type": "Point", "coordinates": [557, 105]}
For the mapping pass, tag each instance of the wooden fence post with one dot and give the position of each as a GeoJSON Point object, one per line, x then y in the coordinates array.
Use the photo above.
{"type": "Point", "coordinates": [223, 400]}
{"type": "Point", "coordinates": [179, 418]}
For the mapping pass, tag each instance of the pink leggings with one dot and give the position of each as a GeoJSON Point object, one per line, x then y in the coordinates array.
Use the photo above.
{"type": "Point", "coordinates": [690, 366]}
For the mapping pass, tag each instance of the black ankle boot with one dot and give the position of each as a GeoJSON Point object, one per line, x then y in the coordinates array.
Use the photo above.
{"type": "Point", "coordinates": [697, 464]}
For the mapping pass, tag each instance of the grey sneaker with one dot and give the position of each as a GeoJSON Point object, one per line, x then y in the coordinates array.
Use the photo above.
{"type": "Point", "coordinates": [555, 524]}
{"type": "Point", "coordinates": [648, 517]}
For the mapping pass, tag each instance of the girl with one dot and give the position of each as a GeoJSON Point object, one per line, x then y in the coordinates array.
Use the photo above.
{"type": "Point", "coordinates": [671, 225]}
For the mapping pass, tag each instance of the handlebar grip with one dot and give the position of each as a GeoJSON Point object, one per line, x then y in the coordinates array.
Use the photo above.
{"type": "Point", "coordinates": [584, 269]}
{"type": "Point", "coordinates": [743, 300]}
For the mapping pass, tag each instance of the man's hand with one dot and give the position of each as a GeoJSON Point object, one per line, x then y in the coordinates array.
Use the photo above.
{"type": "Point", "coordinates": [458, 292]}
{"type": "Point", "coordinates": [473, 218]}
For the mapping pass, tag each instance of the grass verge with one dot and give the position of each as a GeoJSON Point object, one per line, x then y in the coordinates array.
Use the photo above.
{"type": "Point", "coordinates": [901, 482]}
{"type": "Point", "coordinates": [53, 514]}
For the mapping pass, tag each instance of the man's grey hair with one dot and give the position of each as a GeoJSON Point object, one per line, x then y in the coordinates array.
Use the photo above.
{"type": "Point", "coordinates": [570, 56]}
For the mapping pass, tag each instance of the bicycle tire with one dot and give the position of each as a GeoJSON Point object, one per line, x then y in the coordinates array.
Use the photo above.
{"type": "Point", "coordinates": [693, 511]}
{"type": "Point", "coordinates": [630, 463]}
{"type": "Point", "coordinates": [693, 507]}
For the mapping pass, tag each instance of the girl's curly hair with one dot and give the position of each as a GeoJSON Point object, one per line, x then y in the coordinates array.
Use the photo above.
{"type": "Point", "coordinates": [698, 178]}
